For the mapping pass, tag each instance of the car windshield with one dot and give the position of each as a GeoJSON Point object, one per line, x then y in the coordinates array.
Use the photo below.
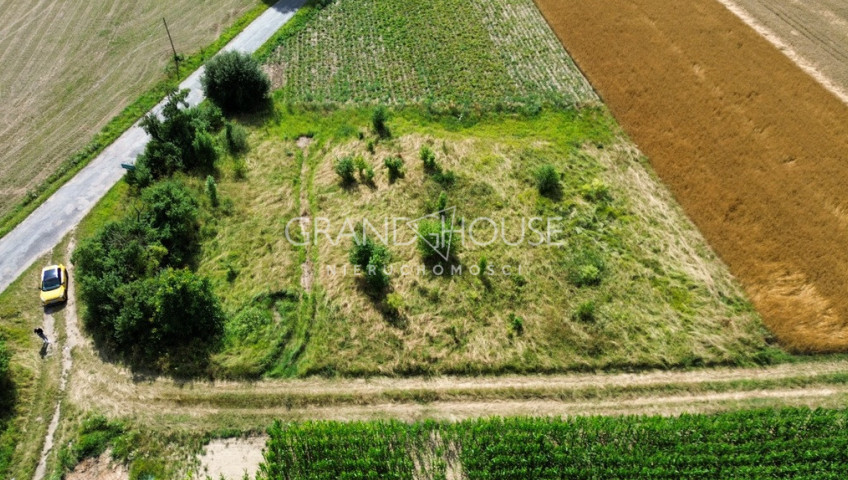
{"type": "Point", "coordinates": [51, 280]}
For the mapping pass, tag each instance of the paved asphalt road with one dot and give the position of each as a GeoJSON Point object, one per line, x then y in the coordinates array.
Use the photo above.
{"type": "Point", "coordinates": [49, 223]}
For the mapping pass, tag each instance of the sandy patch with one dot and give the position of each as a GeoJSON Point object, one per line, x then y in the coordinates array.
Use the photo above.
{"type": "Point", "coordinates": [231, 458]}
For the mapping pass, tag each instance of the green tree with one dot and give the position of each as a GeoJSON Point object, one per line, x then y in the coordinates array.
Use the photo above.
{"type": "Point", "coordinates": [172, 214]}
{"type": "Point", "coordinates": [373, 259]}
{"type": "Point", "coordinates": [118, 254]}
{"type": "Point", "coordinates": [114, 267]}
{"type": "Point", "coordinates": [204, 152]}
{"type": "Point", "coordinates": [435, 241]}
{"type": "Point", "coordinates": [171, 311]}
{"type": "Point", "coordinates": [179, 140]}
{"type": "Point", "coordinates": [235, 82]}
{"type": "Point", "coordinates": [378, 121]}
{"type": "Point", "coordinates": [395, 168]}
{"type": "Point", "coordinates": [186, 309]}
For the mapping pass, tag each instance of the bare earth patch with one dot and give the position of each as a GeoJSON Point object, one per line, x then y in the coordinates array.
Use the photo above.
{"type": "Point", "coordinates": [231, 458]}
{"type": "Point", "coordinates": [99, 468]}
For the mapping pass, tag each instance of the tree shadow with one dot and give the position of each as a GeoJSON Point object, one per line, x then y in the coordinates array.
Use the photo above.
{"type": "Point", "coordinates": [449, 267]}
{"type": "Point", "coordinates": [349, 186]}
{"type": "Point", "coordinates": [181, 363]}
{"type": "Point", "coordinates": [553, 192]}
{"type": "Point", "coordinates": [8, 400]}
{"type": "Point", "coordinates": [391, 315]}
{"type": "Point", "coordinates": [265, 112]}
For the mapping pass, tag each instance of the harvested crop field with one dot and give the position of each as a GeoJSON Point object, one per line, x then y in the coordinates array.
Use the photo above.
{"type": "Point", "coordinates": [814, 33]}
{"type": "Point", "coordinates": [753, 148]}
{"type": "Point", "coordinates": [70, 67]}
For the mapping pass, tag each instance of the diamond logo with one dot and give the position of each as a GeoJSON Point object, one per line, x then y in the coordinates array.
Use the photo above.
{"type": "Point", "coordinates": [436, 240]}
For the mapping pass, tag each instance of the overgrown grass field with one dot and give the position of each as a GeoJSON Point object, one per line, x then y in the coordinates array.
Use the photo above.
{"type": "Point", "coordinates": [489, 55]}
{"type": "Point", "coordinates": [657, 296]}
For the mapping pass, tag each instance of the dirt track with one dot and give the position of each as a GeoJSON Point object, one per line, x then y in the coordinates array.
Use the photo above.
{"type": "Point", "coordinates": [753, 148]}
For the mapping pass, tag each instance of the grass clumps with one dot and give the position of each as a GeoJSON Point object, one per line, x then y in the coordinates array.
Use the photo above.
{"type": "Point", "coordinates": [345, 169]}
{"type": "Point", "coordinates": [585, 312]}
{"type": "Point", "coordinates": [547, 181]}
{"type": "Point", "coordinates": [372, 259]}
{"type": "Point", "coordinates": [395, 167]}
{"type": "Point", "coordinates": [428, 159]}
{"type": "Point", "coordinates": [586, 268]}
{"type": "Point", "coordinates": [516, 324]}
{"type": "Point", "coordinates": [596, 191]}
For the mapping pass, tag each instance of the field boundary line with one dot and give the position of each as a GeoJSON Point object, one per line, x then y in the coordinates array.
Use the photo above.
{"type": "Point", "coordinates": [798, 59]}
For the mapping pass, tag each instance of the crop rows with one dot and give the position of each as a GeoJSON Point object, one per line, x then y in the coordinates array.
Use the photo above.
{"type": "Point", "coordinates": [532, 54]}
{"type": "Point", "coordinates": [440, 52]}
{"type": "Point", "coordinates": [791, 443]}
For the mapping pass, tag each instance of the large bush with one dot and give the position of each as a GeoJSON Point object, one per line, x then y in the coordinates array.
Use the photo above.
{"type": "Point", "coordinates": [235, 82]}
{"type": "Point", "coordinates": [165, 313]}
{"type": "Point", "coordinates": [138, 297]}
{"type": "Point", "coordinates": [171, 211]}
{"type": "Point", "coordinates": [179, 140]}
{"type": "Point", "coordinates": [373, 259]}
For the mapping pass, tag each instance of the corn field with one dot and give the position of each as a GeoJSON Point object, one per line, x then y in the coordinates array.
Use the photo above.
{"type": "Point", "coordinates": [758, 444]}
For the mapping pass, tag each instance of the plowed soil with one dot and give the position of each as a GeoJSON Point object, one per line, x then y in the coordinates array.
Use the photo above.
{"type": "Point", "coordinates": [752, 147]}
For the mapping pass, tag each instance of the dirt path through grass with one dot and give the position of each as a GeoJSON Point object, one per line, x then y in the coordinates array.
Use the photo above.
{"type": "Point", "coordinates": [307, 276]}
{"type": "Point", "coordinates": [251, 405]}
{"type": "Point", "coordinates": [752, 147]}
{"type": "Point", "coordinates": [70, 341]}
{"type": "Point", "coordinates": [202, 406]}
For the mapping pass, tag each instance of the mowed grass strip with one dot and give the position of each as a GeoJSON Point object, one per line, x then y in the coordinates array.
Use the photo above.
{"type": "Point", "coordinates": [449, 54]}
{"type": "Point", "coordinates": [68, 70]}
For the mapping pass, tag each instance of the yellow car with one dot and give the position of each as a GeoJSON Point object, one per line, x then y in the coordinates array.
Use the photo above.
{"type": "Point", "coordinates": [54, 284]}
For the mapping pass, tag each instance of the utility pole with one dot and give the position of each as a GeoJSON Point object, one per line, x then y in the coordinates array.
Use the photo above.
{"type": "Point", "coordinates": [176, 58]}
